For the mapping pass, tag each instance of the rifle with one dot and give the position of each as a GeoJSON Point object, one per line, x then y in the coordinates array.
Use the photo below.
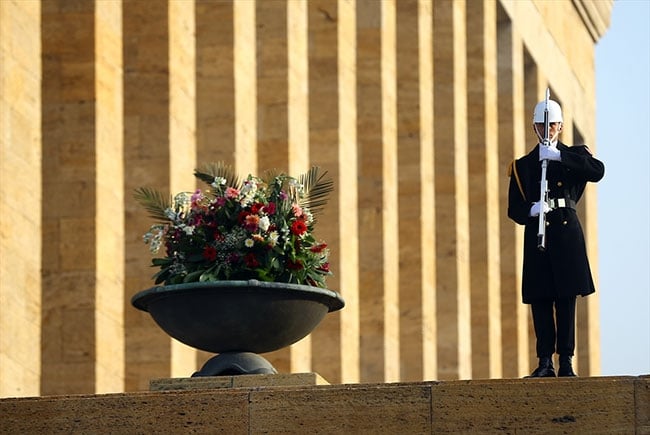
{"type": "Point", "coordinates": [543, 185]}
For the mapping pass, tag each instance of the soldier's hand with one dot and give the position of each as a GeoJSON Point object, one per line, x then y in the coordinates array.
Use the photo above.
{"type": "Point", "coordinates": [537, 207]}
{"type": "Point", "coordinates": [549, 153]}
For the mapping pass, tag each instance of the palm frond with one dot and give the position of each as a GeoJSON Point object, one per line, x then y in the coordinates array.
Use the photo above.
{"type": "Point", "coordinates": [154, 202]}
{"type": "Point", "coordinates": [209, 171]}
{"type": "Point", "coordinates": [316, 189]}
{"type": "Point", "coordinates": [270, 175]}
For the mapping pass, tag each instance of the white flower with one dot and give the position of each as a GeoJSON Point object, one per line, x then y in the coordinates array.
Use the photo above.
{"type": "Point", "coordinates": [309, 217]}
{"type": "Point", "coordinates": [249, 187]}
{"type": "Point", "coordinates": [154, 238]}
{"type": "Point", "coordinates": [218, 181]}
{"type": "Point", "coordinates": [181, 200]}
{"type": "Point", "coordinates": [189, 229]}
{"type": "Point", "coordinates": [248, 191]}
{"type": "Point", "coordinates": [295, 184]}
{"type": "Point", "coordinates": [273, 237]}
{"type": "Point", "coordinates": [249, 243]}
{"type": "Point", "coordinates": [171, 214]}
{"type": "Point", "coordinates": [264, 223]}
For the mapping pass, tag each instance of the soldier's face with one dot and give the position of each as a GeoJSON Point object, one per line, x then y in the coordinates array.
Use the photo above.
{"type": "Point", "coordinates": [554, 129]}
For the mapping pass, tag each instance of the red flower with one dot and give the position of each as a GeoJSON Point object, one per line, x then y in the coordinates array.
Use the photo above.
{"type": "Point", "coordinates": [318, 248]}
{"type": "Point", "coordinates": [270, 209]}
{"type": "Point", "coordinates": [241, 217]}
{"type": "Point", "coordinates": [251, 260]}
{"type": "Point", "coordinates": [325, 267]}
{"type": "Point", "coordinates": [294, 265]}
{"type": "Point", "coordinates": [255, 208]}
{"type": "Point", "coordinates": [299, 227]}
{"type": "Point", "coordinates": [209, 253]}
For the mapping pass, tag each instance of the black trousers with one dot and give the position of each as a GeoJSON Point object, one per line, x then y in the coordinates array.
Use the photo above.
{"type": "Point", "coordinates": [554, 321]}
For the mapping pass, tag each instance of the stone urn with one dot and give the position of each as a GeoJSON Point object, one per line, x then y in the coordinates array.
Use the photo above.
{"type": "Point", "coordinates": [237, 319]}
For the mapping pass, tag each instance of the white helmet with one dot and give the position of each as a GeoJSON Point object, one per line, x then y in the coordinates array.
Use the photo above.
{"type": "Point", "coordinates": [554, 112]}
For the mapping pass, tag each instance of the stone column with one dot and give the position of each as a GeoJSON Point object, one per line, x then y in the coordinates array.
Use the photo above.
{"type": "Point", "coordinates": [452, 210]}
{"type": "Point", "coordinates": [109, 215]}
{"type": "Point", "coordinates": [69, 198]}
{"type": "Point", "coordinates": [347, 180]}
{"type": "Point", "coordinates": [245, 74]}
{"type": "Point", "coordinates": [410, 201]}
{"type": "Point", "coordinates": [485, 177]}
{"type": "Point", "coordinates": [147, 157]}
{"type": "Point", "coordinates": [21, 198]}
{"type": "Point", "coordinates": [370, 190]}
{"type": "Point", "coordinates": [390, 211]}
{"type": "Point", "coordinates": [272, 86]}
{"type": "Point", "coordinates": [215, 82]}
{"type": "Point", "coordinates": [427, 195]}
{"type": "Point", "coordinates": [336, 338]}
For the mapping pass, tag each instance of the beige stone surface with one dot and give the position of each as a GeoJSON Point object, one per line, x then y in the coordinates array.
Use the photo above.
{"type": "Point", "coordinates": [20, 198]}
{"type": "Point", "coordinates": [642, 401]}
{"type": "Point", "coordinates": [353, 409]}
{"type": "Point", "coordinates": [147, 162]}
{"type": "Point", "coordinates": [594, 405]}
{"type": "Point", "coordinates": [169, 412]}
{"type": "Point", "coordinates": [239, 381]}
{"type": "Point", "coordinates": [452, 207]}
{"type": "Point", "coordinates": [548, 406]}
{"type": "Point", "coordinates": [333, 352]}
{"type": "Point", "coordinates": [109, 221]}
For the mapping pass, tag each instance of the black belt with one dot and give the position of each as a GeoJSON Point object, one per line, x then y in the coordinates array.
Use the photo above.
{"type": "Point", "coordinates": [561, 203]}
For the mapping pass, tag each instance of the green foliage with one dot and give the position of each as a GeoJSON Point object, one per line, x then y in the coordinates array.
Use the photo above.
{"type": "Point", "coordinates": [154, 202]}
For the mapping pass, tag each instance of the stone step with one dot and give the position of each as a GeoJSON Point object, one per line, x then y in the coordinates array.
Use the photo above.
{"type": "Point", "coordinates": [578, 405]}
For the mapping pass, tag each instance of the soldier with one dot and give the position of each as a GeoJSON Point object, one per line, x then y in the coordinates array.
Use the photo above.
{"type": "Point", "coordinates": [555, 275]}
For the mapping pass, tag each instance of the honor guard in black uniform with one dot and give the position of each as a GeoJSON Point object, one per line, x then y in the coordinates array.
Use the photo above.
{"type": "Point", "coordinates": [555, 273]}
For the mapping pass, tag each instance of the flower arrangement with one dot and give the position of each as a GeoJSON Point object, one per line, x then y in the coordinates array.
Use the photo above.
{"type": "Point", "coordinates": [261, 228]}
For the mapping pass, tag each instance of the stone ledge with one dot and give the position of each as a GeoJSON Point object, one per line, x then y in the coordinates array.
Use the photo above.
{"type": "Point", "coordinates": [239, 381]}
{"type": "Point", "coordinates": [580, 405]}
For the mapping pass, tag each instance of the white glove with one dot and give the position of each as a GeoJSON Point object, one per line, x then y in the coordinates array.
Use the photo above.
{"type": "Point", "coordinates": [549, 153]}
{"type": "Point", "coordinates": [534, 210]}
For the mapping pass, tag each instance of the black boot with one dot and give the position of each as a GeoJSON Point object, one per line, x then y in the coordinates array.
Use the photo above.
{"type": "Point", "coordinates": [565, 370]}
{"type": "Point", "coordinates": [545, 369]}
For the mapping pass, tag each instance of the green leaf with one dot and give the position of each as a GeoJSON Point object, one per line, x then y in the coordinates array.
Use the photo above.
{"type": "Point", "coordinates": [176, 279]}
{"type": "Point", "coordinates": [162, 275]}
{"type": "Point", "coordinates": [154, 202]}
{"type": "Point", "coordinates": [210, 274]}
{"type": "Point", "coordinates": [160, 262]}
{"type": "Point", "coordinates": [209, 171]}
{"type": "Point", "coordinates": [316, 189]}
{"type": "Point", "coordinates": [193, 276]}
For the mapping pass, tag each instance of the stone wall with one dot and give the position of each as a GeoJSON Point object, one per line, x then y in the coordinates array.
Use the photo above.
{"type": "Point", "coordinates": [531, 406]}
{"type": "Point", "coordinates": [415, 108]}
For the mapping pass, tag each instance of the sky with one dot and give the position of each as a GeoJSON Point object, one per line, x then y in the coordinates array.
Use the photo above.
{"type": "Point", "coordinates": [623, 141]}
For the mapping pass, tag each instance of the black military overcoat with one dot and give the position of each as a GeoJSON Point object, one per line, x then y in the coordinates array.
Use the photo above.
{"type": "Point", "coordinates": [562, 269]}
